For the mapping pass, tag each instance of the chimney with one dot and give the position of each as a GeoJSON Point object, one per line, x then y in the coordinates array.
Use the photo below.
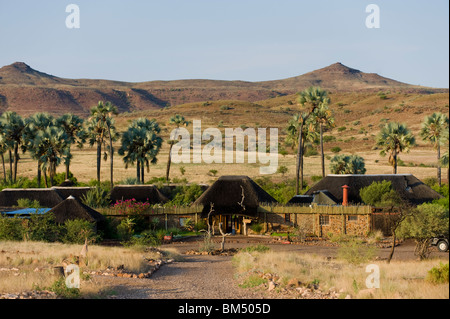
{"type": "Point", "coordinates": [345, 195]}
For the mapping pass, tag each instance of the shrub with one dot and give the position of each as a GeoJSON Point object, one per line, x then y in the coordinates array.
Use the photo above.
{"type": "Point", "coordinates": [11, 228]}
{"type": "Point", "coordinates": [185, 195]}
{"type": "Point", "coordinates": [257, 228]}
{"type": "Point", "coordinates": [258, 248]}
{"type": "Point", "coordinates": [354, 252]}
{"type": "Point", "coordinates": [43, 228]}
{"type": "Point", "coordinates": [97, 197]}
{"type": "Point", "coordinates": [28, 203]}
{"type": "Point", "coordinates": [336, 149]}
{"type": "Point", "coordinates": [77, 230]}
{"type": "Point", "coordinates": [372, 194]}
{"type": "Point", "coordinates": [438, 274]}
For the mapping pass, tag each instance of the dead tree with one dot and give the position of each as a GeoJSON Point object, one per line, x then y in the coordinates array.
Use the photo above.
{"type": "Point", "coordinates": [222, 244]}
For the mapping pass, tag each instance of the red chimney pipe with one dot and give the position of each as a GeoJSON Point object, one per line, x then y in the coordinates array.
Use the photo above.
{"type": "Point", "coordinates": [345, 195]}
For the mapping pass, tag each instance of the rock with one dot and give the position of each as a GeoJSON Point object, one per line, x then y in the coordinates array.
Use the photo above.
{"type": "Point", "coordinates": [348, 297]}
{"type": "Point", "coordinates": [294, 282]}
{"type": "Point", "coordinates": [272, 285]}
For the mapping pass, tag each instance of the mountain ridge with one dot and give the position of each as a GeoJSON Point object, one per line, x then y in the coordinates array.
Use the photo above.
{"type": "Point", "coordinates": [26, 90]}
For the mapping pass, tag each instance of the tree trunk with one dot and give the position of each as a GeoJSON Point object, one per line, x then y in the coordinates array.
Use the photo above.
{"type": "Point", "coordinates": [321, 150]}
{"type": "Point", "coordinates": [391, 254]}
{"type": "Point", "coordinates": [142, 172]}
{"type": "Point", "coordinates": [439, 164]}
{"type": "Point", "coordinates": [395, 161]}
{"type": "Point", "coordinates": [169, 160]}
{"type": "Point", "coordinates": [16, 160]}
{"type": "Point", "coordinates": [10, 166]}
{"type": "Point", "coordinates": [39, 174]}
{"type": "Point", "coordinates": [299, 160]}
{"type": "Point", "coordinates": [99, 159]}
{"type": "Point", "coordinates": [111, 154]}
{"type": "Point", "coordinates": [45, 178]}
{"type": "Point", "coordinates": [138, 172]}
{"type": "Point", "coordinates": [4, 169]}
{"type": "Point", "coordinates": [68, 165]}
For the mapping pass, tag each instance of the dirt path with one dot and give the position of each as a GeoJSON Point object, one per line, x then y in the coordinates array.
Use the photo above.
{"type": "Point", "coordinates": [196, 277]}
{"type": "Point", "coordinates": [212, 277]}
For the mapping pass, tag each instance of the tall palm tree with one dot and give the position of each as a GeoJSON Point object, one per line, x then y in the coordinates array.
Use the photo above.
{"type": "Point", "coordinates": [73, 126]}
{"type": "Point", "coordinates": [324, 116]}
{"type": "Point", "coordinates": [36, 123]}
{"type": "Point", "coordinates": [3, 149]}
{"type": "Point", "coordinates": [394, 138]}
{"type": "Point", "coordinates": [435, 130]}
{"type": "Point", "coordinates": [178, 121]}
{"type": "Point", "coordinates": [13, 127]}
{"type": "Point", "coordinates": [101, 126]}
{"type": "Point", "coordinates": [301, 122]}
{"type": "Point", "coordinates": [51, 145]}
{"type": "Point", "coordinates": [313, 97]}
{"type": "Point", "coordinates": [141, 143]}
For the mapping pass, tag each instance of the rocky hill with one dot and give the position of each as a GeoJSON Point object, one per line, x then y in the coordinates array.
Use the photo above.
{"type": "Point", "coordinates": [26, 91]}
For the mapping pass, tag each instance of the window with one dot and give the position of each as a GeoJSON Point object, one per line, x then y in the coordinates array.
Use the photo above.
{"type": "Point", "coordinates": [352, 218]}
{"type": "Point", "coordinates": [287, 218]}
{"type": "Point", "coordinates": [324, 220]}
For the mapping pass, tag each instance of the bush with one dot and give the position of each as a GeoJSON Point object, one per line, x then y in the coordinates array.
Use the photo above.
{"type": "Point", "coordinates": [257, 228]}
{"type": "Point", "coordinates": [28, 203]}
{"type": "Point", "coordinates": [11, 228]}
{"type": "Point", "coordinates": [378, 193]}
{"type": "Point", "coordinates": [438, 274]}
{"type": "Point", "coordinates": [77, 230]}
{"type": "Point", "coordinates": [43, 228]}
{"type": "Point", "coordinates": [97, 197]}
{"type": "Point", "coordinates": [354, 252]}
{"type": "Point", "coordinates": [186, 195]}
{"type": "Point", "coordinates": [336, 149]}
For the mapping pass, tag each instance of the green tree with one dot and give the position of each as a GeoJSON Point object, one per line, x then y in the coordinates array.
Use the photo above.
{"type": "Point", "coordinates": [301, 123]}
{"type": "Point", "coordinates": [394, 138]}
{"type": "Point", "coordinates": [177, 121]}
{"type": "Point", "coordinates": [380, 194]}
{"type": "Point", "coordinates": [34, 124]}
{"type": "Point", "coordinates": [73, 126]}
{"type": "Point", "coordinates": [141, 143]}
{"type": "Point", "coordinates": [347, 164]}
{"type": "Point", "coordinates": [100, 129]}
{"type": "Point", "coordinates": [13, 126]}
{"type": "Point", "coordinates": [427, 221]}
{"type": "Point", "coordinates": [314, 97]}
{"type": "Point", "coordinates": [324, 116]}
{"type": "Point", "coordinates": [435, 130]}
{"type": "Point", "coordinates": [51, 146]}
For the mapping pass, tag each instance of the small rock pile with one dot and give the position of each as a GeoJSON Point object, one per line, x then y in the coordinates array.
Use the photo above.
{"type": "Point", "coordinates": [120, 270]}
{"type": "Point", "coordinates": [35, 294]}
{"type": "Point", "coordinates": [294, 289]}
{"type": "Point", "coordinates": [217, 252]}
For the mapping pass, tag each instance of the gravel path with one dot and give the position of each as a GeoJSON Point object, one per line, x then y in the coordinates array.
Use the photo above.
{"type": "Point", "coordinates": [196, 277]}
{"type": "Point", "coordinates": [212, 277]}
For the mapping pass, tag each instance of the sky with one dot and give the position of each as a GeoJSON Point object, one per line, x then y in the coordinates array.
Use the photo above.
{"type": "Point", "coordinates": [249, 40]}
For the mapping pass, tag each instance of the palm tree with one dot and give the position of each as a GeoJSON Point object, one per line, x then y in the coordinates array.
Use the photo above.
{"type": "Point", "coordinates": [347, 164]}
{"type": "Point", "coordinates": [141, 143]}
{"type": "Point", "coordinates": [101, 126]}
{"type": "Point", "coordinates": [324, 116]}
{"type": "Point", "coordinates": [3, 149]}
{"type": "Point", "coordinates": [36, 123]}
{"type": "Point", "coordinates": [178, 121]}
{"type": "Point", "coordinates": [394, 138]}
{"type": "Point", "coordinates": [314, 97]}
{"type": "Point", "coordinates": [51, 146]}
{"type": "Point", "coordinates": [73, 127]}
{"type": "Point", "coordinates": [309, 134]}
{"type": "Point", "coordinates": [13, 127]}
{"type": "Point", "coordinates": [435, 130]}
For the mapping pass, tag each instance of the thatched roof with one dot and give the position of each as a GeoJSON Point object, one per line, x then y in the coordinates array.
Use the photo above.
{"type": "Point", "coordinates": [72, 208]}
{"type": "Point", "coordinates": [407, 186]}
{"type": "Point", "coordinates": [226, 194]}
{"type": "Point", "coordinates": [141, 193]}
{"type": "Point", "coordinates": [47, 197]}
{"type": "Point", "coordinates": [322, 197]}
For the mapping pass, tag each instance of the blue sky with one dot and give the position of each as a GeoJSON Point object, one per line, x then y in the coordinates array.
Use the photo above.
{"type": "Point", "coordinates": [252, 40]}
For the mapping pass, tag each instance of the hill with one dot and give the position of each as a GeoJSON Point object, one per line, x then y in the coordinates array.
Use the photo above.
{"type": "Point", "coordinates": [26, 91]}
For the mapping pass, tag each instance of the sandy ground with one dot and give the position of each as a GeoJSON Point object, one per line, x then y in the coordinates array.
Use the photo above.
{"type": "Point", "coordinates": [212, 277]}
